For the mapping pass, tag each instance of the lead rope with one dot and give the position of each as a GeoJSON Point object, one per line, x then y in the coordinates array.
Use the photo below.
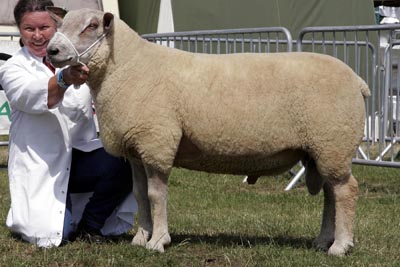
{"type": "Point", "coordinates": [79, 55]}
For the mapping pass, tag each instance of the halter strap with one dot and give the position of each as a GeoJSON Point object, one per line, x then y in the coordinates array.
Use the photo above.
{"type": "Point", "coordinates": [79, 55]}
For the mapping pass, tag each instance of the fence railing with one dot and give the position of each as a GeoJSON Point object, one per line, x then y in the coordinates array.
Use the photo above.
{"type": "Point", "coordinates": [255, 40]}
{"type": "Point", "coordinates": [9, 35]}
{"type": "Point", "coordinates": [369, 51]}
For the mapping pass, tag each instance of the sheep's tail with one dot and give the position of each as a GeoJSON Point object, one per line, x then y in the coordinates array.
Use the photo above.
{"type": "Point", "coordinates": [364, 88]}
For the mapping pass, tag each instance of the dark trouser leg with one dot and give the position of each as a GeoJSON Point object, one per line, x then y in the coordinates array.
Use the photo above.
{"type": "Point", "coordinates": [68, 230]}
{"type": "Point", "coordinates": [109, 178]}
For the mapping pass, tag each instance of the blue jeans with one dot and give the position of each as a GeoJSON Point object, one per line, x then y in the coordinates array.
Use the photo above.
{"type": "Point", "coordinates": [110, 180]}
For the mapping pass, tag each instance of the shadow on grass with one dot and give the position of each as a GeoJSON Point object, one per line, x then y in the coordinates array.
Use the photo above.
{"type": "Point", "coordinates": [222, 240]}
{"type": "Point", "coordinates": [244, 241]}
{"type": "Point", "coordinates": [230, 240]}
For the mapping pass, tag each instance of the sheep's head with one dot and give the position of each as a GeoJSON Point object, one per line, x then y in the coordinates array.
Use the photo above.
{"type": "Point", "coordinates": [81, 32]}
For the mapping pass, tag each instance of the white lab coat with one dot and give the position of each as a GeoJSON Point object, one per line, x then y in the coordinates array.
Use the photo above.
{"type": "Point", "coordinates": [40, 151]}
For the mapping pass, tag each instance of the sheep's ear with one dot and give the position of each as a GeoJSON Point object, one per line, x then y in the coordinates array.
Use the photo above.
{"type": "Point", "coordinates": [108, 21]}
{"type": "Point", "coordinates": [57, 13]}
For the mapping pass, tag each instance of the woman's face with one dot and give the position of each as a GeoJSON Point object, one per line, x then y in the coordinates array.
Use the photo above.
{"type": "Point", "coordinates": [36, 30]}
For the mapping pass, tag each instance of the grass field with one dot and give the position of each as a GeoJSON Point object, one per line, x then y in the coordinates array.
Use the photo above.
{"type": "Point", "coordinates": [216, 220]}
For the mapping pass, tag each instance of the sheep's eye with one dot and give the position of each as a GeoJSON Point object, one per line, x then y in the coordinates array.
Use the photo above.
{"type": "Point", "coordinates": [91, 27]}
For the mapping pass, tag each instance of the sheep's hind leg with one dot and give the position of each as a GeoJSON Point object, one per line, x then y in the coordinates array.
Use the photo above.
{"type": "Point", "coordinates": [157, 191]}
{"type": "Point", "coordinates": [144, 217]}
{"type": "Point", "coordinates": [345, 195]}
{"type": "Point", "coordinates": [327, 233]}
{"type": "Point", "coordinates": [336, 234]}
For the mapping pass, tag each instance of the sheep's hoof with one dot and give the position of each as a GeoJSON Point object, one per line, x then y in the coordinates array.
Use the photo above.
{"type": "Point", "coordinates": [157, 244]}
{"type": "Point", "coordinates": [340, 249]}
{"type": "Point", "coordinates": [141, 238]}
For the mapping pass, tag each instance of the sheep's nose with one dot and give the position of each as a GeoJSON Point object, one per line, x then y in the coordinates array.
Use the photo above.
{"type": "Point", "coordinates": [52, 51]}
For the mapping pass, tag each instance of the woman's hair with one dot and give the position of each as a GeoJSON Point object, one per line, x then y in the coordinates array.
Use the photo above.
{"type": "Point", "coordinates": [25, 6]}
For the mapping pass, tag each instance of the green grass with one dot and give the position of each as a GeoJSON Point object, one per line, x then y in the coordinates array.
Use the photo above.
{"type": "Point", "coordinates": [215, 220]}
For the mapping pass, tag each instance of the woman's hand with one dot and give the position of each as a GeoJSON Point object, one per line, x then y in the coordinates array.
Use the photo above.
{"type": "Point", "coordinates": [76, 75]}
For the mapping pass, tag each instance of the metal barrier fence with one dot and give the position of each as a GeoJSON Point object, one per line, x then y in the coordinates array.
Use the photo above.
{"type": "Point", "coordinates": [9, 35]}
{"type": "Point", "coordinates": [368, 50]}
{"type": "Point", "coordinates": [255, 40]}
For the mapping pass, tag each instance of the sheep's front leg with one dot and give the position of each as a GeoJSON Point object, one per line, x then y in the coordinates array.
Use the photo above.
{"type": "Point", "coordinates": [345, 194]}
{"type": "Point", "coordinates": [144, 215]}
{"type": "Point", "coordinates": [157, 192]}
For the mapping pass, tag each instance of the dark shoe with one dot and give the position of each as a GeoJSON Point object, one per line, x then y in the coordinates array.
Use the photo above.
{"type": "Point", "coordinates": [89, 235]}
{"type": "Point", "coordinates": [93, 238]}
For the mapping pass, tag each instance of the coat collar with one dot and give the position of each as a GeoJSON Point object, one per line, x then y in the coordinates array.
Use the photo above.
{"type": "Point", "coordinates": [35, 62]}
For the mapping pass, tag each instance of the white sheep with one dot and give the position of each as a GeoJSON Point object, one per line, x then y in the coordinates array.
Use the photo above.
{"type": "Point", "coordinates": [243, 114]}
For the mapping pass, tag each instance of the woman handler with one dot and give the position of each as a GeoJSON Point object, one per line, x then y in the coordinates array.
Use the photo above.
{"type": "Point", "coordinates": [56, 160]}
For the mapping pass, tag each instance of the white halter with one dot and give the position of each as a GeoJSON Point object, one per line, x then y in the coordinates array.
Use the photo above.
{"type": "Point", "coordinates": [79, 55]}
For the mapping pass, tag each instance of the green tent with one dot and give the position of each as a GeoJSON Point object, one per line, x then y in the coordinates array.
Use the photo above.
{"type": "Point", "coordinates": [189, 15]}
